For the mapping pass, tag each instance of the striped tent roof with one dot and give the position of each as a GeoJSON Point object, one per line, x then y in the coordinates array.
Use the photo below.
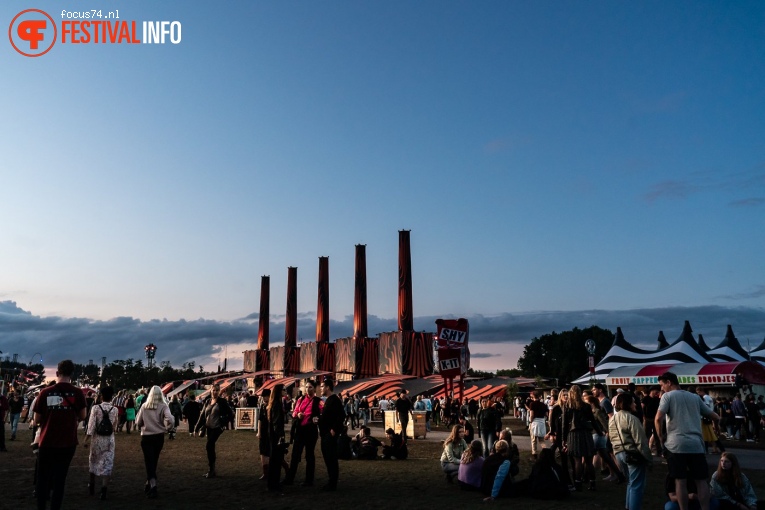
{"type": "Point", "coordinates": [758, 354]}
{"type": "Point", "coordinates": [622, 354]}
{"type": "Point", "coordinates": [729, 349]}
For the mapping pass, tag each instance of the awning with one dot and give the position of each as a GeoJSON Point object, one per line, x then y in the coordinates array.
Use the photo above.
{"type": "Point", "coordinates": [166, 388]}
{"type": "Point", "coordinates": [715, 374]}
{"type": "Point", "coordinates": [182, 387]}
{"type": "Point", "coordinates": [370, 385]}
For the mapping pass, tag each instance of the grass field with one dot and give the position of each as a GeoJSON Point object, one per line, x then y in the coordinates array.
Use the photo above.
{"type": "Point", "coordinates": [390, 485]}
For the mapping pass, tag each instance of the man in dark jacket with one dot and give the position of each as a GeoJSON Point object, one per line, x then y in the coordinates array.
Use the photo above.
{"type": "Point", "coordinates": [330, 426]}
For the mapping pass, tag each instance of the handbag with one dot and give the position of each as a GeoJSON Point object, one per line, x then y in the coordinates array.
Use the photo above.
{"type": "Point", "coordinates": [633, 457]}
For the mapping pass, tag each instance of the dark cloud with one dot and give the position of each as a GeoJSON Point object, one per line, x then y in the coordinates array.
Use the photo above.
{"type": "Point", "coordinates": [201, 340]}
{"type": "Point", "coordinates": [474, 355]}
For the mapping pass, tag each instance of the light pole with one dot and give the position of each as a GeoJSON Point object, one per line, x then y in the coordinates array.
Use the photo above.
{"type": "Point", "coordinates": [151, 350]}
{"type": "Point", "coordinates": [590, 346]}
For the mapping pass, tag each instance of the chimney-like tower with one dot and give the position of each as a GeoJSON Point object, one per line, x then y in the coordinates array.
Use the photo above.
{"type": "Point", "coordinates": [290, 324]}
{"type": "Point", "coordinates": [263, 316]}
{"type": "Point", "coordinates": [360, 294]}
{"type": "Point", "coordinates": [405, 313]}
{"type": "Point", "coordinates": [322, 307]}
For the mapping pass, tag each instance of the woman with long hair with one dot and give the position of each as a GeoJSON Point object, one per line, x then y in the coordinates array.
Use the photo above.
{"type": "Point", "coordinates": [630, 444]}
{"type": "Point", "coordinates": [275, 412]}
{"type": "Point", "coordinates": [602, 457]}
{"type": "Point", "coordinates": [471, 467]}
{"type": "Point", "coordinates": [101, 457]}
{"type": "Point", "coordinates": [454, 447]}
{"type": "Point", "coordinates": [556, 433]}
{"type": "Point", "coordinates": [154, 419]}
{"type": "Point", "coordinates": [731, 487]}
{"type": "Point", "coordinates": [577, 437]}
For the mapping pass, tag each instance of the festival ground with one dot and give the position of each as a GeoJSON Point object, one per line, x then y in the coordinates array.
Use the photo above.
{"type": "Point", "coordinates": [414, 483]}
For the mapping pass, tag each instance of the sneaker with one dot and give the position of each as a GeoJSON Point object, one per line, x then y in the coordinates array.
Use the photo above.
{"type": "Point", "coordinates": [611, 478]}
{"type": "Point", "coordinates": [750, 440]}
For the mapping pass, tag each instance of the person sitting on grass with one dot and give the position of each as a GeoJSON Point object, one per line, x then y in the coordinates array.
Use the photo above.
{"type": "Point", "coordinates": [496, 476]}
{"type": "Point", "coordinates": [454, 447]}
{"type": "Point", "coordinates": [471, 467]}
{"type": "Point", "coordinates": [397, 449]}
{"type": "Point", "coordinates": [365, 446]}
{"type": "Point", "coordinates": [731, 487]}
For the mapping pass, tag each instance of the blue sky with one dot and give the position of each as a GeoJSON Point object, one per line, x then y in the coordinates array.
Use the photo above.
{"type": "Point", "coordinates": [558, 161]}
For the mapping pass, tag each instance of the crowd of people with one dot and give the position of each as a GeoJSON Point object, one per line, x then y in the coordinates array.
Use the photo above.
{"type": "Point", "coordinates": [574, 433]}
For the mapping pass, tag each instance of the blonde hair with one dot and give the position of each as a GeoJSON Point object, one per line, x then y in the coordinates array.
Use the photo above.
{"type": "Point", "coordinates": [155, 399]}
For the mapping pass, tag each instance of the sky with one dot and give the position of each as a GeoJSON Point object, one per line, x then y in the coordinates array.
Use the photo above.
{"type": "Point", "coordinates": [559, 165]}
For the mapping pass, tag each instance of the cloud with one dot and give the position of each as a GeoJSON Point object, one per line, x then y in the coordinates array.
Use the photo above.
{"type": "Point", "coordinates": [704, 182]}
{"type": "Point", "coordinates": [506, 143]}
{"type": "Point", "coordinates": [677, 189]}
{"type": "Point", "coordinates": [474, 355]}
{"type": "Point", "coordinates": [748, 202]}
{"type": "Point", "coordinates": [204, 341]}
{"type": "Point", "coordinates": [759, 291]}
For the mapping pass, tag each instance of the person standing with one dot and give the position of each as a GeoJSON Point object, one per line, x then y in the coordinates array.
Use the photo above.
{"type": "Point", "coordinates": [650, 405]}
{"type": "Point", "coordinates": [276, 420]}
{"type": "Point", "coordinates": [306, 416]}
{"type": "Point", "coordinates": [330, 427]}
{"type": "Point", "coordinates": [404, 411]}
{"type": "Point", "coordinates": [628, 435]}
{"type": "Point", "coordinates": [153, 419]}
{"type": "Point", "coordinates": [537, 428]}
{"type": "Point", "coordinates": [58, 410]}
{"type": "Point", "coordinates": [489, 426]}
{"type": "Point", "coordinates": [15, 406]}
{"type": "Point", "coordinates": [191, 412]}
{"type": "Point", "coordinates": [3, 409]}
{"type": "Point", "coordinates": [214, 418]}
{"type": "Point", "coordinates": [684, 444]}
{"type": "Point", "coordinates": [101, 457]}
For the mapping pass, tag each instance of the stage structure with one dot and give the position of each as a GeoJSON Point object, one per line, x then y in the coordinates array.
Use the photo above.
{"type": "Point", "coordinates": [320, 355]}
{"type": "Point", "coordinates": [285, 361]}
{"type": "Point", "coordinates": [356, 357]}
{"type": "Point", "coordinates": [405, 351]}
{"type": "Point", "coordinates": [258, 360]}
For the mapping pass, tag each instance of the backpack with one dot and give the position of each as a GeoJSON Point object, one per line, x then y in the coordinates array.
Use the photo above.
{"type": "Point", "coordinates": [104, 427]}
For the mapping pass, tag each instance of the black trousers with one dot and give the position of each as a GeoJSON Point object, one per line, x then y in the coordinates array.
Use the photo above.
{"type": "Point", "coordinates": [329, 452]}
{"type": "Point", "coordinates": [53, 466]}
{"type": "Point", "coordinates": [212, 437]}
{"type": "Point", "coordinates": [404, 419]}
{"type": "Point", "coordinates": [275, 462]}
{"type": "Point", "coordinates": [151, 445]}
{"type": "Point", "coordinates": [304, 441]}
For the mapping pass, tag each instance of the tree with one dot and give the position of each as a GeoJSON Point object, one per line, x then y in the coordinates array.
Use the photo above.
{"type": "Point", "coordinates": [509, 372]}
{"type": "Point", "coordinates": [562, 355]}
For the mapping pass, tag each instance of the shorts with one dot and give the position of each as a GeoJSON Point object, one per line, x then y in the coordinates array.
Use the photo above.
{"type": "Point", "coordinates": [600, 441]}
{"type": "Point", "coordinates": [691, 466]}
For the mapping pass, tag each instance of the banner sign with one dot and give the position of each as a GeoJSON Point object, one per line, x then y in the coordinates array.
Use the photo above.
{"type": "Point", "coordinates": [450, 347]}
